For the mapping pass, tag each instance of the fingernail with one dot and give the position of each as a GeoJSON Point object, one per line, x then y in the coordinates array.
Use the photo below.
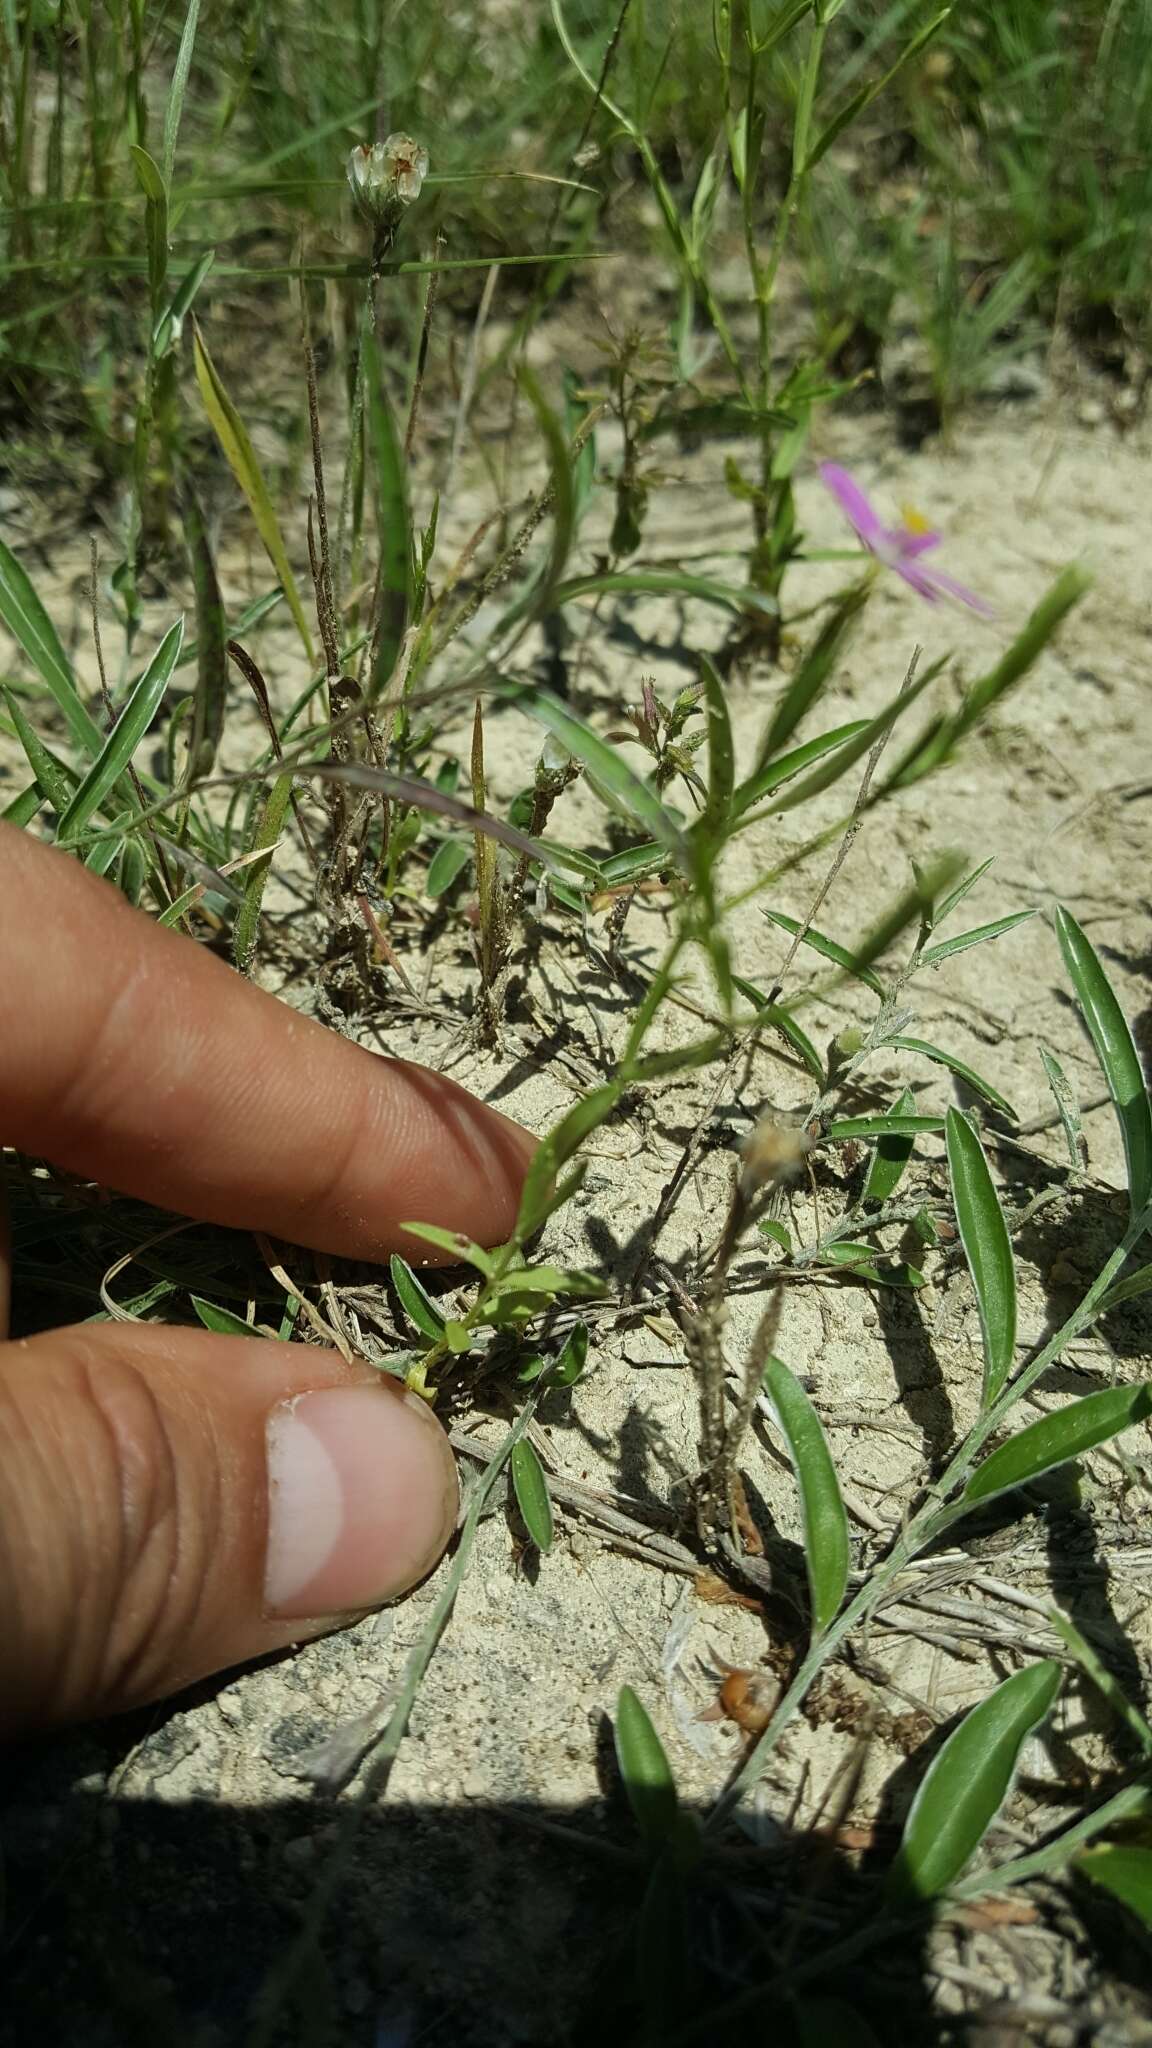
{"type": "Point", "coordinates": [362, 1499]}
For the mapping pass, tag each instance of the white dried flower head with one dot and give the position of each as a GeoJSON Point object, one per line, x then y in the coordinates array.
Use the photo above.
{"type": "Point", "coordinates": [387, 176]}
{"type": "Point", "coordinates": [772, 1154]}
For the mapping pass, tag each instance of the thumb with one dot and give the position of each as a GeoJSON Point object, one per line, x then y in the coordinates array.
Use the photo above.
{"type": "Point", "coordinates": [172, 1503]}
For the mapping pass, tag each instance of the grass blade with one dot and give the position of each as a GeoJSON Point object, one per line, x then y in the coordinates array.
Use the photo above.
{"type": "Point", "coordinates": [125, 736]}
{"type": "Point", "coordinates": [960, 1068]}
{"type": "Point", "coordinates": [247, 925]}
{"type": "Point", "coordinates": [955, 897]}
{"type": "Point", "coordinates": [1057, 1439]}
{"type": "Point", "coordinates": [645, 1770]}
{"type": "Point", "coordinates": [54, 783]}
{"type": "Point", "coordinates": [1116, 1052]}
{"type": "Point", "coordinates": [844, 758]}
{"type": "Point", "coordinates": [531, 1489]}
{"type": "Point", "coordinates": [733, 597]}
{"type": "Point", "coordinates": [1109, 1688]}
{"type": "Point", "coordinates": [211, 644]}
{"type": "Point", "coordinates": [178, 87]}
{"type": "Point", "coordinates": [827, 1552]}
{"type": "Point", "coordinates": [967, 1782]}
{"type": "Point", "coordinates": [554, 1152]}
{"type": "Point", "coordinates": [240, 456]}
{"type": "Point", "coordinates": [619, 785]}
{"type": "Point", "coordinates": [779, 1019]}
{"type": "Point", "coordinates": [817, 664]}
{"type": "Point", "coordinates": [987, 1248]}
{"type": "Point", "coordinates": [714, 818]}
{"type": "Point", "coordinates": [393, 536]}
{"type": "Point", "coordinates": [932, 955]}
{"type": "Point", "coordinates": [29, 624]}
{"type": "Point", "coordinates": [417, 1304]}
{"type": "Point", "coordinates": [1067, 1109]}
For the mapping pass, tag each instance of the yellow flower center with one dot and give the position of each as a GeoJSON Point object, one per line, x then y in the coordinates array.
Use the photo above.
{"type": "Point", "coordinates": [915, 521]}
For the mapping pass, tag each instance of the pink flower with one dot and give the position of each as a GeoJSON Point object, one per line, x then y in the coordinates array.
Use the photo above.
{"type": "Point", "coordinates": [898, 547]}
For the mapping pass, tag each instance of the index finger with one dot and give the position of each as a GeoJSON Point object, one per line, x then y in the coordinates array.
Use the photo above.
{"type": "Point", "coordinates": [129, 1054]}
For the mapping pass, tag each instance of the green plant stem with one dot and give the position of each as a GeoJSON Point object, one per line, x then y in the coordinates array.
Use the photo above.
{"type": "Point", "coordinates": [930, 1522]}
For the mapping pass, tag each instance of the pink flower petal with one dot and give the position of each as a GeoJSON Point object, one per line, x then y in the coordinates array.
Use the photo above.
{"type": "Point", "coordinates": [913, 544]}
{"type": "Point", "coordinates": [852, 501]}
{"type": "Point", "coordinates": [946, 586]}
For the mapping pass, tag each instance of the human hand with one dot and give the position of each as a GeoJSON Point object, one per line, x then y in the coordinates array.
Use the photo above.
{"type": "Point", "coordinates": [173, 1502]}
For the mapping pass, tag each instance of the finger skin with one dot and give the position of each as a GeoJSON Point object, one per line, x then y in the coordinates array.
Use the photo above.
{"type": "Point", "coordinates": [134, 1510]}
{"type": "Point", "coordinates": [132, 1055]}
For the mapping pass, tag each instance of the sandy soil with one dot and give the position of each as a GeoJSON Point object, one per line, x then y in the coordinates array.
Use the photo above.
{"type": "Point", "coordinates": [181, 1850]}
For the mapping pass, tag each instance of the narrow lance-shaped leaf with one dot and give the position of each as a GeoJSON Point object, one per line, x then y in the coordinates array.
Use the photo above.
{"type": "Point", "coordinates": [778, 1017]}
{"type": "Point", "coordinates": [1067, 1109]}
{"type": "Point", "coordinates": [785, 766]}
{"type": "Point", "coordinates": [531, 1489]}
{"type": "Point", "coordinates": [735, 597]}
{"type": "Point", "coordinates": [829, 949]}
{"type": "Point", "coordinates": [816, 665]}
{"type": "Point", "coordinates": [893, 1151]}
{"type": "Point", "coordinates": [29, 625]}
{"type": "Point", "coordinates": [645, 1770]}
{"type": "Point", "coordinates": [1109, 1687]}
{"type": "Point", "coordinates": [967, 1783]}
{"type": "Point", "coordinates": [449, 861]}
{"type": "Point", "coordinates": [56, 783]}
{"type": "Point", "coordinates": [827, 1553]}
{"type": "Point", "coordinates": [232, 435]}
{"type": "Point", "coordinates": [932, 955]}
{"type": "Point", "coordinates": [940, 1058]}
{"type": "Point", "coordinates": [538, 597]}
{"type": "Point", "coordinates": [1056, 1439]}
{"type": "Point", "coordinates": [890, 1125]}
{"type": "Point", "coordinates": [125, 736]}
{"type": "Point", "coordinates": [1116, 1052]}
{"type": "Point", "coordinates": [417, 1303]}
{"type": "Point", "coordinates": [223, 1322]}
{"type": "Point", "coordinates": [954, 897]}
{"type": "Point", "coordinates": [556, 1149]}
{"type": "Point", "coordinates": [987, 1248]}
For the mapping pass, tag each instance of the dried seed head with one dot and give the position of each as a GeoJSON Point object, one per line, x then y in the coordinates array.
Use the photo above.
{"type": "Point", "coordinates": [772, 1153]}
{"type": "Point", "coordinates": [386, 176]}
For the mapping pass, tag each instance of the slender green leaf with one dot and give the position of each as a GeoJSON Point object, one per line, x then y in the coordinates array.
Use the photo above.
{"type": "Point", "coordinates": [458, 1247]}
{"type": "Point", "coordinates": [1139, 1282]}
{"type": "Point", "coordinates": [177, 89]}
{"type": "Point", "coordinates": [854, 106]}
{"type": "Point", "coordinates": [618, 783]}
{"type": "Point", "coordinates": [714, 818]}
{"type": "Point", "coordinates": [889, 1125]}
{"type": "Point", "coordinates": [845, 757]}
{"type": "Point", "coordinates": [1116, 1052]}
{"type": "Point", "coordinates": [29, 624]}
{"type": "Point", "coordinates": [556, 1149]}
{"type": "Point", "coordinates": [1058, 1438]}
{"type": "Point", "coordinates": [828, 949]}
{"type": "Point", "coordinates": [1125, 1870]}
{"type": "Point", "coordinates": [155, 221]}
{"type": "Point", "coordinates": [169, 325]}
{"type": "Point", "coordinates": [893, 1151]}
{"type": "Point", "coordinates": [56, 783]}
{"type": "Point", "coordinates": [955, 897]}
{"type": "Point", "coordinates": [1067, 1109]}
{"type": "Point", "coordinates": [785, 766]}
{"type": "Point", "coordinates": [232, 435]}
{"type": "Point", "coordinates": [734, 597]}
{"type": "Point", "coordinates": [416, 1302]}
{"type": "Point", "coordinates": [932, 955]}
{"type": "Point", "coordinates": [211, 643]}
{"type": "Point", "coordinates": [967, 1783]}
{"type": "Point", "coordinates": [531, 1489]}
{"type": "Point", "coordinates": [542, 590]}
{"type": "Point", "coordinates": [816, 665]}
{"type": "Point", "coordinates": [987, 1248]}
{"type": "Point", "coordinates": [827, 1552]}
{"type": "Point", "coordinates": [267, 834]}
{"type": "Point", "coordinates": [645, 1770]}
{"type": "Point", "coordinates": [222, 1321]}
{"type": "Point", "coordinates": [394, 536]}
{"type": "Point", "coordinates": [960, 1067]}
{"type": "Point", "coordinates": [125, 736]}
{"type": "Point", "coordinates": [770, 1226]}
{"type": "Point", "coordinates": [447, 863]}
{"type": "Point", "coordinates": [23, 808]}
{"type": "Point", "coordinates": [1109, 1687]}
{"type": "Point", "coordinates": [776, 1017]}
